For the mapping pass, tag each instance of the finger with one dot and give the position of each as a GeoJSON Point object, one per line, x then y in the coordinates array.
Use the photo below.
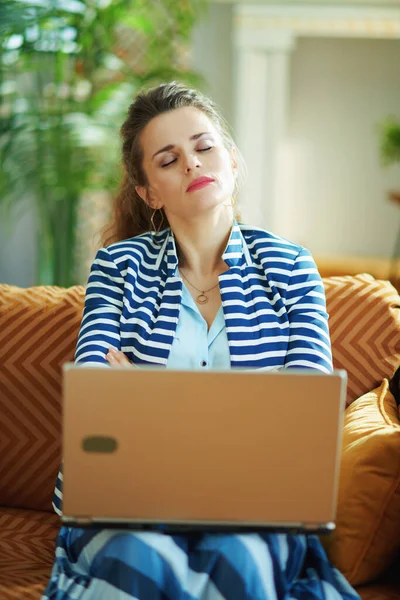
{"type": "Point", "coordinates": [118, 357]}
{"type": "Point", "coordinates": [121, 358]}
{"type": "Point", "coordinates": [111, 359]}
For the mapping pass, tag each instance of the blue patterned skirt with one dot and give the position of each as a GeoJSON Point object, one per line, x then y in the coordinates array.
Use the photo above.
{"type": "Point", "coordinates": [118, 564]}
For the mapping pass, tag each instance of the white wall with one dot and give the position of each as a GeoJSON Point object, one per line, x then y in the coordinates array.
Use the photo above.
{"type": "Point", "coordinates": [212, 56]}
{"type": "Point", "coordinates": [332, 188]}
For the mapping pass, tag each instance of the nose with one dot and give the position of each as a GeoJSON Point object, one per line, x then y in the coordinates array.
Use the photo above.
{"type": "Point", "coordinates": [192, 162]}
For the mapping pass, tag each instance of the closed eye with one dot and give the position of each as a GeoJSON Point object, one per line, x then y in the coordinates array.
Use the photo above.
{"type": "Point", "coordinates": [169, 163]}
{"type": "Point", "coordinates": [175, 159]}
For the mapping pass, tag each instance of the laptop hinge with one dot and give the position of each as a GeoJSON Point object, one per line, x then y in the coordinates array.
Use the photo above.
{"type": "Point", "coordinates": [318, 527]}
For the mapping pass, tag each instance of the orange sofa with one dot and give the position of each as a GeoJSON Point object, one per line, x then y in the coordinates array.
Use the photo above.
{"type": "Point", "coordinates": [38, 333]}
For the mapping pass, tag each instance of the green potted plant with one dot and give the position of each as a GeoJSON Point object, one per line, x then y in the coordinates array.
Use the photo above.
{"type": "Point", "coordinates": [390, 147]}
{"type": "Point", "coordinates": [67, 74]}
{"type": "Point", "coordinates": [390, 155]}
{"type": "Point", "coordinates": [390, 141]}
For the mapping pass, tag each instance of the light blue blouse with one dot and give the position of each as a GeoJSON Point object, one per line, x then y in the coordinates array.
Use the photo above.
{"type": "Point", "coordinates": [194, 346]}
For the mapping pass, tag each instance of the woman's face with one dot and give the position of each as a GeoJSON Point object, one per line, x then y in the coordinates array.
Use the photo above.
{"type": "Point", "coordinates": [188, 168]}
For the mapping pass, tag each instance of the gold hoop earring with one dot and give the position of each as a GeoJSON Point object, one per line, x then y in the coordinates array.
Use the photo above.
{"type": "Point", "coordinates": [157, 229]}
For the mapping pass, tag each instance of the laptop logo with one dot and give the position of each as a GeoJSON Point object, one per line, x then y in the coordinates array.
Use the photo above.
{"type": "Point", "coordinates": [100, 444]}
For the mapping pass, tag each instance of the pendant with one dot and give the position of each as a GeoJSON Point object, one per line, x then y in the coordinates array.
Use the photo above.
{"type": "Point", "coordinates": [202, 299]}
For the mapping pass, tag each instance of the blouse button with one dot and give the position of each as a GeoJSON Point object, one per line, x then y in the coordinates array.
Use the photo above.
{"type": "Point", "coordinates": [203, 363]}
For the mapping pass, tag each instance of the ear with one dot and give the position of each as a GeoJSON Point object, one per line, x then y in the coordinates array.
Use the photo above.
{"type": "Point", "coordinates": [144, 193]}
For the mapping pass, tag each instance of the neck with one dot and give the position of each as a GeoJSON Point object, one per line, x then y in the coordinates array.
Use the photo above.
{"type": "Point", "coordinates": [201, 242]}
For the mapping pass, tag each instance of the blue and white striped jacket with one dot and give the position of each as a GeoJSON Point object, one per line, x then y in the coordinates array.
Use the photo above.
{"type": "Point", "coordinates": [272, 297]}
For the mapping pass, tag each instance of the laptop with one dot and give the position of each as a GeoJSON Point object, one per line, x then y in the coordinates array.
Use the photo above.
{"type": "Point", "coordinates": [216, 451]}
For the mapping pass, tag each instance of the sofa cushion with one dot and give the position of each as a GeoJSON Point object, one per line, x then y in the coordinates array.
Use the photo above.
{"type": "Point", "coordinates": [38, 333]}
{"type": "Point", "coordinates": [364, 325]}
{"type": "Point", "coordinates": [380, 591]}
{"type": "Point", "coordinates": [386, 587]}
{"type": "Point", "coordinates": [27, 544]}
{"type": "Point", "coordinates": [367, 536]}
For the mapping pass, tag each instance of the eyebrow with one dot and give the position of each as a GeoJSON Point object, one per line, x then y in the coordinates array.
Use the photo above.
{"type": "Point", "coordinates": [196, 136]}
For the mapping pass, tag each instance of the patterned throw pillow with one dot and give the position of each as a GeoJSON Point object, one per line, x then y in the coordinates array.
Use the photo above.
{"type": "Point", "coordinates": [367, 536]}
{"type": "Point", "coordinates": [364, 325]}
{"type": "Point", "coordinates": [38, 333]}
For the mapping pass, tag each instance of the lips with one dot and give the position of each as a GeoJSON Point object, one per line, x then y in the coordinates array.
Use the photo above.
{"type": "Point", "coordinates": [199, 183]}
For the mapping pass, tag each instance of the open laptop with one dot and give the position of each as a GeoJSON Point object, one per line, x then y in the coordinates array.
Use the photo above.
{"type": "Point", "coordinates": [175, 451]}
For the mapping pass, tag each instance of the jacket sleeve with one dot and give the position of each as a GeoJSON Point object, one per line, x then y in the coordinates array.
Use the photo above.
{"type": "Point", "coordinates": [100, 325]}
{"type": "Point", "coordinates": [99, 328]}
{"type": "Point", "coordinates": [309, 341]}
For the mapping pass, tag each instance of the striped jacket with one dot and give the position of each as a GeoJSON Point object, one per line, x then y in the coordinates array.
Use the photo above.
{"type": "Point", "coordinates": [272, 297]}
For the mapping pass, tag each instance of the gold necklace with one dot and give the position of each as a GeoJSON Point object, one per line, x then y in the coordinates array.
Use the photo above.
{"type": "Point", "coordinates": [201, 298]}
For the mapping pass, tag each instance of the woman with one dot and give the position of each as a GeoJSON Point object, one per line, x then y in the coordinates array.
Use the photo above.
{"type": "Point", "coordinates": [181, 284]}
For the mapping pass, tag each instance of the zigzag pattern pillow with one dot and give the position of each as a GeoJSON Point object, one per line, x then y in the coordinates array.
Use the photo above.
{"type": "Point", "coordinates": [364, 325]}
{"type": "Point", "coordinates": [38, 333]}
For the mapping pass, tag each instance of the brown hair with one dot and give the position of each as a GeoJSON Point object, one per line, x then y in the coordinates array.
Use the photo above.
{"type": "Point", "coordinates": [131, 216]}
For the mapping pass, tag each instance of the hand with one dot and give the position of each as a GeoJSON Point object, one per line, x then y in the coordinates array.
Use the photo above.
{"type": "Point", "coordinates": [116, 358]}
